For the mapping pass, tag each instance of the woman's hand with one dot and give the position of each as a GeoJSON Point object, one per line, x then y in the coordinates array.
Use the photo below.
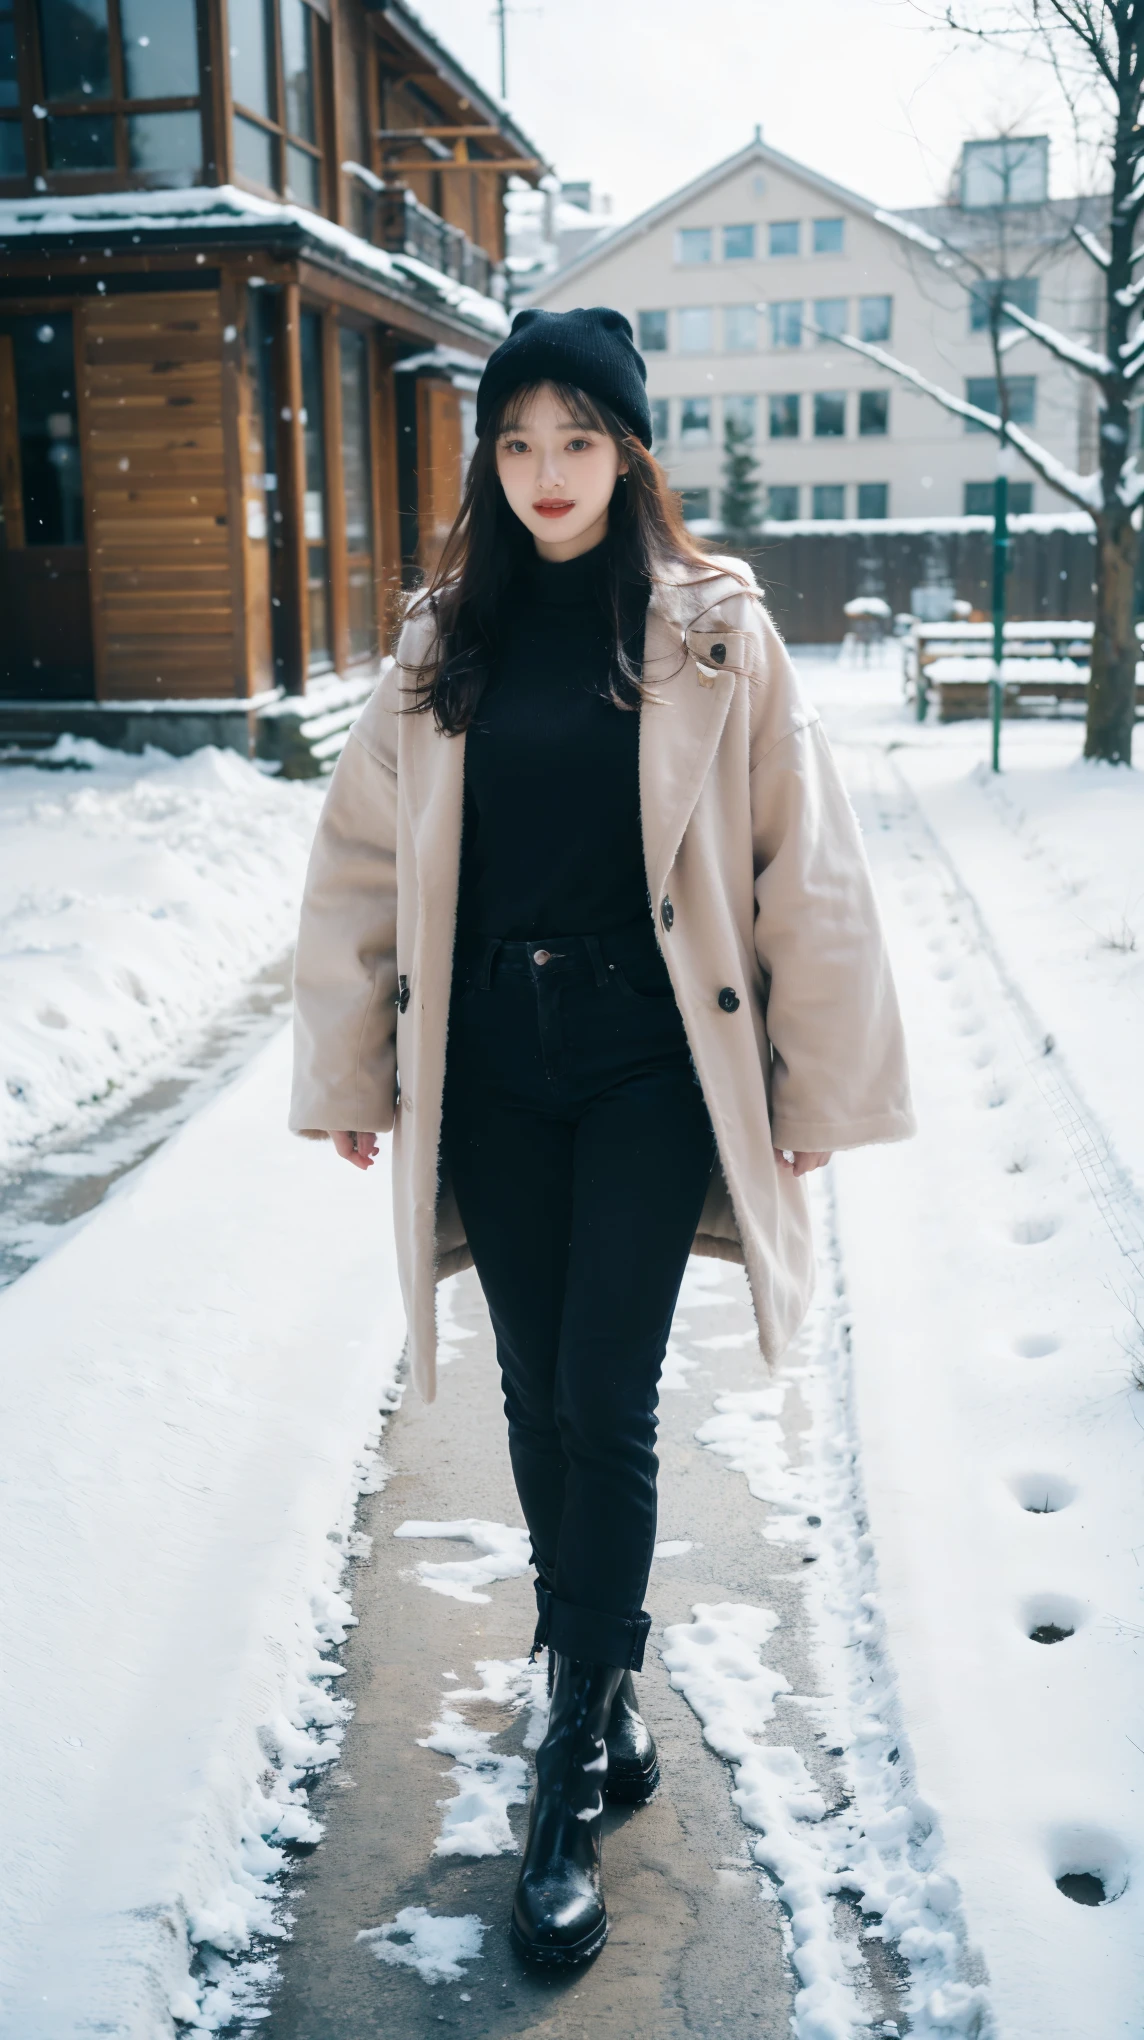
{"type": "Point", "coordinates": [358, 1148]}
{"type": "Point", "coordinates": [797, 1163]}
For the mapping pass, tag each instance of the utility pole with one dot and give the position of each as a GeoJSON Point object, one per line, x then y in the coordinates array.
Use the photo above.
{"type": "Point", "coordinates": [1000, 570]}
{"type": "Point", "coordinates": [501, 12]}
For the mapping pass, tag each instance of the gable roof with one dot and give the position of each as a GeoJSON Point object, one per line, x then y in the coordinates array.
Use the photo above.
{"type": "Point", "coordinates": [756, 152]}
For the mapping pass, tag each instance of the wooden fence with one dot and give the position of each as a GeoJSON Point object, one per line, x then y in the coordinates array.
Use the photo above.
{"type": "Point", "coordinates": [809, 574]}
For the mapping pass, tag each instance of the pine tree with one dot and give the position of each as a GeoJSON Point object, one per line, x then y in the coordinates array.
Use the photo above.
{"type": "Point", "coordinates": [739, 499]}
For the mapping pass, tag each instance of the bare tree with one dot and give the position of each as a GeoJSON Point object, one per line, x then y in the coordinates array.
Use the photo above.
{"type": "Point", "coordinates": [1096, 51]}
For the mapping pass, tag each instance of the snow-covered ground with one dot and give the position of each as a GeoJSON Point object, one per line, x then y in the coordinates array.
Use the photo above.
{"type": "Point", "coordinates": [995, 1275]}
{"type": "Point", "coordinates": [189, 1394]}
{"type": "Point", "coordinates": [138, 895]}
{"type": "Point", "coordinates": [190, 1386]}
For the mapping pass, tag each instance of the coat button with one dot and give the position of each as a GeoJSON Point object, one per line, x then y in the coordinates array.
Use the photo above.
{"type": "Point", "coordinates": [718, 653]}
{"type": "Point", "coordinates": [541, 955]}
{"type": "Point", "coordinates": [729, 999]}
{"type": "Point", "coordinates": [667, 912]}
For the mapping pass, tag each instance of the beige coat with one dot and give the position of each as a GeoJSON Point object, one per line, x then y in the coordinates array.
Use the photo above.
{"type": "Point", "coordinates": [748, 834]}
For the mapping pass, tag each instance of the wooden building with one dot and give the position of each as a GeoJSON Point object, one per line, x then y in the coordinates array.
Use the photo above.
{"type": "Point", "coordinates": [251, 262]}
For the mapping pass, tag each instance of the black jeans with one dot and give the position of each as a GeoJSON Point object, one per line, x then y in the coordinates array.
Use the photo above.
{"type": "Point", "coordinates": [580, 1152]}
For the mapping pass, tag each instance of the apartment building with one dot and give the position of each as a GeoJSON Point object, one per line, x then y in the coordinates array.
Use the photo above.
{"type": "Point", "coordinates": [251, 264]}
{"type": "Point", "coordinates": [738, 284]}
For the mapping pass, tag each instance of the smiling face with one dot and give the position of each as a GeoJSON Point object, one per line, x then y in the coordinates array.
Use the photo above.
{"type": "Point", "coordinates": [558, 474]}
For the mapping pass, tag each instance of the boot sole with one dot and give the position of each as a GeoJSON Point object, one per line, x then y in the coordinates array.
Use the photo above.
{"type": "Point", "coordinates": [633, 1791]}
{"type": "Point", "coordinates": [541, 1957]}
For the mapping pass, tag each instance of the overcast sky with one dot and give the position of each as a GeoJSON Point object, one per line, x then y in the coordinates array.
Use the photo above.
{"type": "Point", "coordinates": [642, 95]}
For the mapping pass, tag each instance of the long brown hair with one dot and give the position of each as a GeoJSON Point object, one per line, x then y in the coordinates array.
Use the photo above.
{"type": "Point", "coordinates": [488, 544]}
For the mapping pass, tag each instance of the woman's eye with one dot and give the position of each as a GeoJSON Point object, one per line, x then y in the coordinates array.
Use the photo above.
{"type": "Point", "coordinates": [516, 446]}
{"type": "Point", "coordinates": [578, 445]}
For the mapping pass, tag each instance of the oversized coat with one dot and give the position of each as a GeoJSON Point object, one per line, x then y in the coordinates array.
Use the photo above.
{"type": "Point", "coordinates": [759, 888]}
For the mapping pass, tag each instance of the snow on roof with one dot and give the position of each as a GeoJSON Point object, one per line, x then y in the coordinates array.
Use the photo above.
{"type": "Point", "coordinates": [223, 207]}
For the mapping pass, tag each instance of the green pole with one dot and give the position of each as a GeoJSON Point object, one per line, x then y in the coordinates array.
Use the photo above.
{"type": "Point", "coordinates": [1000, 568]}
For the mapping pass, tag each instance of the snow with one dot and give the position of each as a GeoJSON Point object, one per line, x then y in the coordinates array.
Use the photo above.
{"type": "Point", "coordinates": [994, 1272]}
{"type": "Point", "coordinates": [1087, 359]}
{"type": "Point", "coordinates": [504, 1555]}
{"type": "Point", "coordinates": [436, 1945]}
{"type": "Point", "coordinates": [187, 1415]}
{"type": "Point", "coordinates": [221, 208]}
{"type": "Point", "coordinates": [1035, 520]}
{"type": "Point", "coordinates": [475, 1821]}
{"type": "Point", "coordinates": [138, 895]}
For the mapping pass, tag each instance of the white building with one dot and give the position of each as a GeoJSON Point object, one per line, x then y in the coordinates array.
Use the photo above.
{"type": "Point", "coordinates": [725, 281]}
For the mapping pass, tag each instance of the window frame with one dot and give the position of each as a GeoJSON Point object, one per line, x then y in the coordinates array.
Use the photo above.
{"type": "Point", "coordinates": [827, 338]}
{"type": "Point", "coordinates": [117, 107]}
{"type": "Point", "coordinates": [706, 429]}
{"type": "Point", "coordinates": [834, 220]}
{"type": "Point", "coordinates": [827, 516]}
{"type": "Point", "coordinates": [741, 347]}
{"type": "Point", "coordinates": [740, 227]}
{"type": "Point", "coordinates": [821, 398]}
{"type": "Point", "coordinates": [683, 312]}
{"type": "Point", "coordinates": [783, 254]}
{"type": "Point", "coordinates": [1014, 382]}
{"type": "Point", "coordinates": [792, 489]}
{"type": "Point", "coordinates": [866, 515]}
{"type": "Point", "coordinates": [877, 297]}
{"type": "Point", "coordinates": [787, 398]}
{"type": "Point", "coordinates": [776, 306]}
{"type": "Point", "coordinates": [647, 346]}
{"type": "Point", "coordinates": [874, 431]}
{"type": "Point", "coordinates": [693, 261]}
{"type": "Point", "coordinates": [283, 138]}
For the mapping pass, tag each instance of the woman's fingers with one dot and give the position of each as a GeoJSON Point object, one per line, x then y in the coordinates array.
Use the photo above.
{"type": "Point", "coordinates": [798, 1162]}
{"type": "Point", "coordinates": [358, 1148]}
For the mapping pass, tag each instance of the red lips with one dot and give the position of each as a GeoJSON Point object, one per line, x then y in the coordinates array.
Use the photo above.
{"type": "Point", "coordinates": [553, 509]}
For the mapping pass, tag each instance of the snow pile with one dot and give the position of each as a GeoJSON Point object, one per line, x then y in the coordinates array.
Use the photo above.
{"type": "Point", "coordinates": [189, 1397]}
{"type": "Point", "coordinates": [137, 896]}
{"type": "Point", "coordinates": [995, 1274]}
{"type": "Point", "coordinates": [877, 1839]}
{"type": "Point", "coordinates": [436, 1945]}
{"type": "Point", "coordinates": [504, 1556]}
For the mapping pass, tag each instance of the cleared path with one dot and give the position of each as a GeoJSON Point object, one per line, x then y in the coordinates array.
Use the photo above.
{"type": "Point", "coordinates": [697, 1939]}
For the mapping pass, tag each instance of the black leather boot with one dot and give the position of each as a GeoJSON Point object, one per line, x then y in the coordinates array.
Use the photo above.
{"type": "Point", "coordinates": [558, 1914]}
{"type": "Point", "coordinates": [633, 1766]}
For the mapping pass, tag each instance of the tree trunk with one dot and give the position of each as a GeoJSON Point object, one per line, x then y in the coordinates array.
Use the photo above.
{"type": "Point", "coordinates": [1112, 683]}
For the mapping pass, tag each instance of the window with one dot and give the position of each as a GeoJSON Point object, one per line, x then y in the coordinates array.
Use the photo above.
{"type": "Point", "coordinates": [873, 414]}
{"type": "Point", "coordinates": [984, 296]}
{"type": "Point", "coordinates": [982, 391]}
{"type": "Point", "coordinates": [740, 329]}
{"type": "Point", "coordinates": [693, 244]}
{"type": "Point", "coordinates": [829, 499]}
{"type": "Point", "coordinates": [830, 317]}
{"type": "Point", "coordinates": [979, 499]}
{"type": "Point", "coordinates": [782, 237]}
{"type": "Point", "coordinates": [695, 421]}
{"type": "Point", "coordinates": [121, 85]}
{"type": "Point", "coordinates": [874, 318]}
{"type": "Point", "coordinates": [828, 237]}
{"type": "Point", "coordinates": [786, 323]}
{"type": "Point", "coordinates": [738, 244]}
{"type": "Point", "coordinates": [660, 421]}
{"type": "Point", "coordinates": [653, 332]}
{"type": "Point", "coordinates": [741, 413]}
{"type": "Point", "coordinates": [357, 483]}
{"type": "Point", "coordinates": [314, 518]}
{"type": "Point", "coordinates": [37, 370]}
{"type": "Point", "coordinates": [695, 503]}
{"type": "Point", "coordinates": [1009, 171]}
{"type": "Point", "coordinates": [784, 417]}
{"type": "Point", "coordinates": [11, 129]}
{"type": "Point", "coordinates": [829, 414]}
{"type": "Point", "coordinates": [276, 88]}
{"type": "Point", "coordinates": [873, 499]}
{"type": "Point", "coordinates": [694, 327]}
{"type": "Point", "coordinates": [782, 503]}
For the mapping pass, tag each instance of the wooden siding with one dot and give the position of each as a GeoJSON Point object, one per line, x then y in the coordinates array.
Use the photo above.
{"type": "Point", "coordinates": [164, 599]}
{"type": "Point", "coordinates": [439, 455]}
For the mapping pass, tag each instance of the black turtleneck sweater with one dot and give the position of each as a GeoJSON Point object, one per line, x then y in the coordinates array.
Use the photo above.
{"type": "Point", "coordinates": [552, 842]}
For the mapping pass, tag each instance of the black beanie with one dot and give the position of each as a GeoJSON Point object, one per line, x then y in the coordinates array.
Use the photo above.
{"type": "Point", "coordinates": [592, 350]}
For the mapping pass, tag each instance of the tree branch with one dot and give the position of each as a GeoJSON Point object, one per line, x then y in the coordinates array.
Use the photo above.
{"type": "Point", "coordinates": [1083, 490]}
{"type": "Point", "coordinates": [1092, 247]}
{"type": "Point", "coordinates": [1086, 359]}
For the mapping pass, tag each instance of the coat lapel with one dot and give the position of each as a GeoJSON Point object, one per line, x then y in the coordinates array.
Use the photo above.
{"type": "Point", "coordinates": [681, 722]}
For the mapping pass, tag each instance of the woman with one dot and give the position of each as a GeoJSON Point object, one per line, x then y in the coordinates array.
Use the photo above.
{"type": "Point", "coordinates": [589, 925]}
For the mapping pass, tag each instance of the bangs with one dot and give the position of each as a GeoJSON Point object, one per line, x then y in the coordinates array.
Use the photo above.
{"type": "Point", "coordinates": [578, 407]}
